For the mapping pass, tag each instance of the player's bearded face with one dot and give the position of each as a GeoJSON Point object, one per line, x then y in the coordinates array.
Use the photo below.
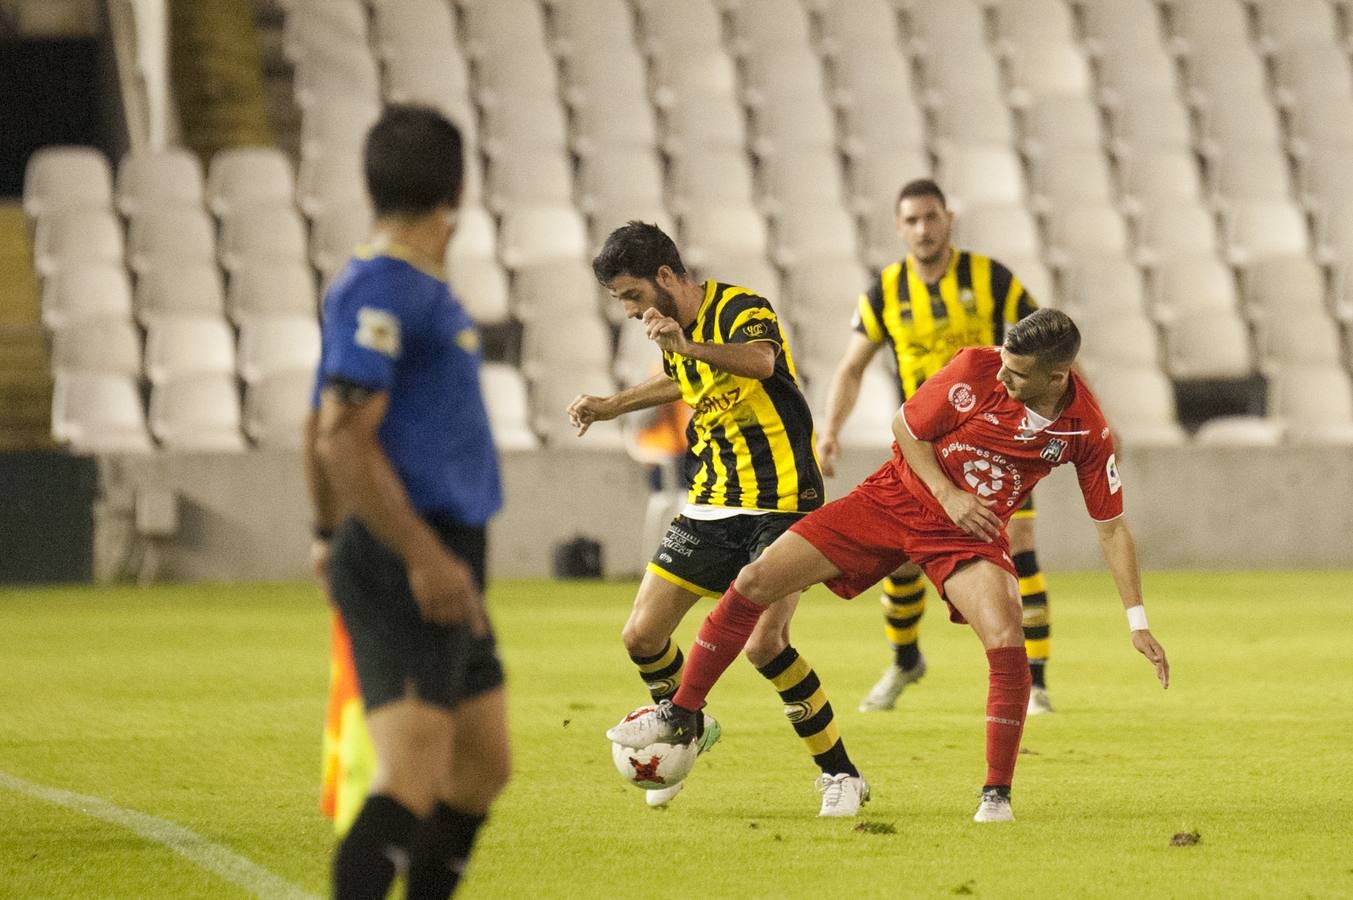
{"type": "Point", "coordinates": [925, 225]}
{"type": "Point", "coordinates": [664, 301]}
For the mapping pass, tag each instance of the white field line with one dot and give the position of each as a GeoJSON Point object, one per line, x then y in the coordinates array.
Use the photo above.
{"type": "Point", "coordinates": [220, 861]}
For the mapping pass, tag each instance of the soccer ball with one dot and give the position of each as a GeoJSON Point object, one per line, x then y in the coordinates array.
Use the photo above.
{"type": "Point", "coordinates": [655, 766]}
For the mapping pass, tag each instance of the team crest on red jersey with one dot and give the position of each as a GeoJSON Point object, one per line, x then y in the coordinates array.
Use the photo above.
{"type": "Point", "coordinates": [1053, 451]}
{"type": "Point", "coordinates": [962, 397]}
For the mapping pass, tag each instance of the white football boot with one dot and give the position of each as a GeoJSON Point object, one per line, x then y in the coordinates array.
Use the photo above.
{"type": "Point", "coordinates": [995, 807]}
{"type": "Point", "coordinates": [842, 795]}
{"type": "Point", "coordinates": [1039, 702]}
{"type": "Point", "coordinates": [660, 724]}
{"type": "Point", "coordinates": [708, 738]}
{"type": "Point", "coordinates": [883, 695]}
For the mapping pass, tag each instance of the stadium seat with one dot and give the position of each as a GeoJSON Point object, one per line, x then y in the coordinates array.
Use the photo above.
{"type": "Point", "coordinates": [1124, 23]}
{"type": "Point", "coordinates": [476, 235]}
{"type": "Point", "coordinates": [529, 178]}
{"type": "Point", "coordinates": [1280, 286]}
{"type": "Point", "coordinates": [768, 26]}
{"type": "Point", "coordinates": [1072, 176]}
{"type": "Point", "coordinates": [869, 63]}
{"type": "Point", "coordinates": [550, 346]}
{"type": "Point", "coordinates": [170, 237]}
{"type": "Point", "coordinates": [1208, 345]}
{"type": "Point", "coordinates": [936, 25]}
{"type": "Point", "coordinates": [481, 286]}
{"type": "Point", "coordinates": [1200, 26]}
{"type": "Point", "coordinates": [697, 21]}
{"type": "Point", "coordinates": [555, 289]}
{"type": "Point", "coordinates": [598, 79]}
{"type": "Point", "coordinates": [411, 27]}
{"type": "Point", "coordinates": [703, 121]}
{"type": "Point", "coordinates": [255, 233]}
{"type": "Point", "coordinates": [182, 346]}
{"type": "Point", "coordinates": [98, 413]}
{"type": "Point", "coordinates": [1140, 403]}
{"type": "Point", "coordinates": [274, 344]}
{"type": "Point", "coordinates": [960, 69]}
{"type": "Point", "coordinates": [1316, 401]}
{"type": "Point", "coordinates": [1036, 278]}
{"type": "Point", "coordinates": [86, 293]}
{"type": "Point", "coordinates": [975, 175]}
{"type": "Point", "coordinates": [1324, 181]}
{"type": "Point", "coordinates": [603, 221]}
{"type": "Point", "coordinates": [1216, 71]}
{"type": "Point", "coordinates": [514, 73]}
{"type": "Point", "coordinates": [1176, 230]}
{"type": "Point", "coordinates": [1022, 22]}
{"type": "Point", "coordinates": [1240, 431]}
{"type": "Point", "coordinates": [1119, 338]}
{"type": "Point", "coordinates": [437, 77]}
{"type": "Point", "coordinates": [1299, 338]}
{"type": "Point", "coordinates": [825, 290]}
{"type": "Point", "coordinates": [338, 127]}
{"type": "Point", "coordinates": [197, 412]}
{"type": "Point", "coordinates": [1229, 127]}
{"type": "Point", "coordinates": [271, 288]}
{"type": "Point", "coordinates": [1126, 72]}
{"type": "Point", "coordinates": [1143, 123]}
{"type": "Point", "coordinates": [336, 232]}
{"type": "Point", "coordinates": [782, 77]}
{"type": "Point", "coordinates": [707, 230]}
{"type": "Point", "coordinates": [792, 124]}
{"type": "Point", "coordinates": [750, 270]}
{"type": "Point", "coordinates": [530, 122]}
{"type": "Point", "coordinates": [1320, 124]}
{"type": "Point", "coordinates": [1312, 72]}
{"type": "Point", "coordinates": [1258, 230]}
{"type": "Point", "coordinates": [65, 177]}
{"type": "Point", "coordinates": [108, 347]}
{"type": "Point", "coordinates": [1086, 229]}
{"type": "Point", "coordinates": [1188, 285]}
{"type": "Point", "coordinates": [275, 410]}
{"type": "Point", "coordinates": [863, 131]}
{"type": "Point", "coordinates": [170, 177]}
{"type": "Point", "coordinates": [1156, 176]}
{"type": "Point", "coordinates": [329, 179]}
{"type": "Point", "coordinates": [822, 231]}
{"type": "Point", "coordinates": [246, 176]}
{"type": "Point", "coordinates": [1061, 120]}
{"type": "Point", "coordinates": [1045, 69]}
{"type": "Point", "coordinates": [309, 24]}
{"type": "Point", "coordinates": [76, 237]}
{"type": "Point", "coordinates": [509, 413]}
{"type": "Point", "coordinates": [1100, 286]}
{"type": "Point", "coordinates": [1292, 23]}
{"type": "Point", "coordinates": [871, 421]}
{"type": "Point", "coordinates": [503, 25]}
{"type": "Point", "coordinates": [710, 176]}
{"type": "Point", "coordinates": [627, 124]}
{"type": "Point", "coordinates": [550, 397]}
{"type": "Point", "coordinates": [978, 119]}
{"type": "Point", "coordinates": [190, 290]}
{"type": "Point", "coordinates": [586, 27]}
{"type": "Point", "coordinates": [795, 178]}
{"type": "Point", "coordinates": [614, 176]}
{"type": "Point", "coordinates": [998, 231]}
{"type": "Point", "coordinates": [541, 234]}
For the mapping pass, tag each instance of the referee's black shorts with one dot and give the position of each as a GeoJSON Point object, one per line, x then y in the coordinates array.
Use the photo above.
{"type": "Point", "coordinates": [393, 646]}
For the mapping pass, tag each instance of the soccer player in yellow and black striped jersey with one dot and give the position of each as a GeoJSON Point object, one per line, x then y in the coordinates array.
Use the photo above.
{"type": "Point", "coordinates": [925, 308]}
{"type": "Point", "coordinates": [751, 472]}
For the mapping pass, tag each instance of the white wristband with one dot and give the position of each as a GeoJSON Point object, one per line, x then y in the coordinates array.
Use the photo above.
{"type": "Point", "coordinates": [1137, 618]}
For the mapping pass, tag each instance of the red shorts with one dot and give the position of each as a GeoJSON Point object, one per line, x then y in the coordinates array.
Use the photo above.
{"type": "Point", "coordinates": [880, 525]}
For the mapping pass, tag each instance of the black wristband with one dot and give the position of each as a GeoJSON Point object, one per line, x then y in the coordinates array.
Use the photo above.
{"type": "Point", "coordinates": [322, 534]}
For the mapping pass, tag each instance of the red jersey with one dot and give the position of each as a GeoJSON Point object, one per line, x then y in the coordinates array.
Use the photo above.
{"type": "Point", "coordinates": [992, 446]}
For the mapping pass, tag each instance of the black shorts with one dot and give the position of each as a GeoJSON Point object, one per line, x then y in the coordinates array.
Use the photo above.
{"type": "Point", "coordinates": [393, 647]}
{"type": "Point", "coordinates": [705, 555]}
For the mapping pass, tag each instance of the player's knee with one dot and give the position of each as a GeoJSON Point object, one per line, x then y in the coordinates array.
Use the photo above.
{"type": "Point", "coordinates": [640, 642]}
{"type": "Point", "coordinates": [756, 583]}
{"type": "Point", "coordinates": [761, 650]}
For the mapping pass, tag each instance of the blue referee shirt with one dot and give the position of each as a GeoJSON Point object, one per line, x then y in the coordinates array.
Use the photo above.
{"type": "Point", "coordinates": [391, 326]}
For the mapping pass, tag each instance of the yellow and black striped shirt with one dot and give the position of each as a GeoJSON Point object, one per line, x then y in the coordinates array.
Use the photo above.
{"type": "Point", "coordinates": [971, 305]}
{"type": "Point", "coordinates": [751, 442]}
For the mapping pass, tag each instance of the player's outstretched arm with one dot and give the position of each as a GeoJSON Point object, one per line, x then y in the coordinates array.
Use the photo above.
{"type": "Point", "coordinates": [586, 408]}
{"type": "Point", "coordinates": [1120, 552]}
{"type": "Point", "coordinates": [841, 397]}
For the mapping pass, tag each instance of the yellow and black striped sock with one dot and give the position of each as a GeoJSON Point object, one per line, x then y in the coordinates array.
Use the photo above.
{"type": "Point", "coordinates": [661, 673]}
{"type": "Point", "coordinates": [903, 604]}
{"type": "Point", "coordinates": [1033, 591]}
{"type": "Point", "coordinates": [808, 710]}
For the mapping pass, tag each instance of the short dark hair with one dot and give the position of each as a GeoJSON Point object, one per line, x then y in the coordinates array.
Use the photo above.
{"type": "Point", "coordinates": [413, 161]}
{"type": "Point", "coordinates": [921, 187]}
{"type": "Point", "coordinates": [1048, 335]}
{"type": "Point", "coordinates": [636, 249]}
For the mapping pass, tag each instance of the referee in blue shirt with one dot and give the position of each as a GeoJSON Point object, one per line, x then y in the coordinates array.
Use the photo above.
{"type": "Point", "coordinates": [404, 478]}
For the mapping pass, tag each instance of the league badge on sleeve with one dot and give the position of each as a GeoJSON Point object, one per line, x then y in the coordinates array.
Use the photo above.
{"type": "Point", "coordinates": [378, 329]}
{"type": "Point", "coordinates": [1111, 471]}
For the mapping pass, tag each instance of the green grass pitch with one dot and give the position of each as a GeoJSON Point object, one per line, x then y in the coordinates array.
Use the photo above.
{"type": "Point", "coordinates": [202, 706]}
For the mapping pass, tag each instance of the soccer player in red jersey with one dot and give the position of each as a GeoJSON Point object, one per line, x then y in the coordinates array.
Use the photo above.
{"type": "Point", "coordinates": [970, 444]}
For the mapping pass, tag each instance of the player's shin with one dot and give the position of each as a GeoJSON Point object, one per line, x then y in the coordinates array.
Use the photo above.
{"type": "Point", "coordinates": [661, 673]}
{"type": "Point", "coordinates": [376, 846]}
{"type": "Point", "coordinates": [1007, 705]}
{"type": "Point", "coordinates": [809, 711]}
{"type": "Point", "coordinates": [903, 605]}
{"type": "Point", "coordinates": [1033, 591]}
{"type": "Point", "coordinates": [441, 849]}
{"type": "Point", "coordinates": [722, 636]}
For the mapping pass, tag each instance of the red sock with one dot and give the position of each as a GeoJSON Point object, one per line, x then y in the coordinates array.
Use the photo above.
{"type": "Point", "coordinates": [1007, 704]}
{"type": "Point", "coordinates": [722, 636]}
